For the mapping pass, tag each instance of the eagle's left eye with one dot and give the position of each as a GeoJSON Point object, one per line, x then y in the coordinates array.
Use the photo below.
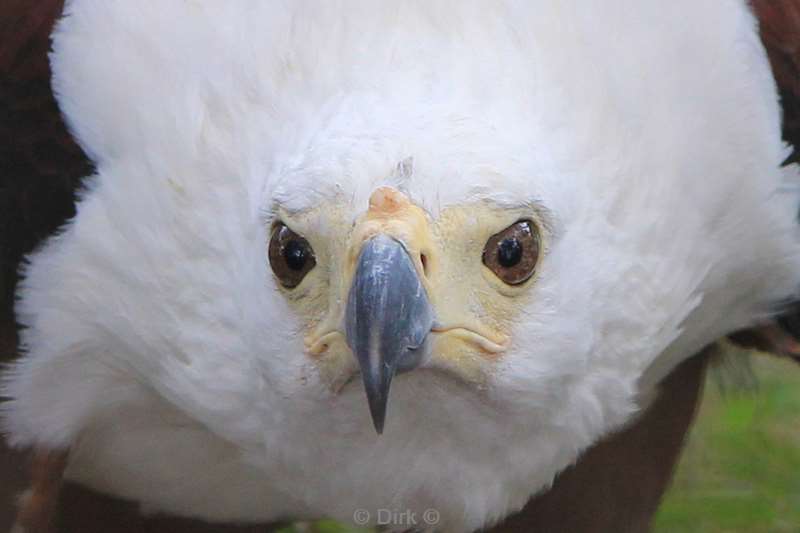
{"type": "Point", "coordinates": [290, 256]}
{"type": "Point", "coordinates": [513, 253]}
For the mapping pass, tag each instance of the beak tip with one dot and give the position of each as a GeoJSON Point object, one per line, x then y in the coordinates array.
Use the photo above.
{"type": "Point", "coordinates": [377, 400]}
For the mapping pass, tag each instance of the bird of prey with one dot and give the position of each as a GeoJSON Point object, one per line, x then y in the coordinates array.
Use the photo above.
{"type": "Point", "coordinates": [355, 256]}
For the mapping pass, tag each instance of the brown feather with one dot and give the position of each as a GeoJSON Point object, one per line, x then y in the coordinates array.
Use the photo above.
{"type": "Point", "coordinates": [40, 167]}
{"type": "Point", "coordinates": [40, 164]}
{"type": "Point", "coordinates": [780, 32]}
{"type": "Point", "coordinates": [779, 24]}
{"type": "Point", "coordinates": [38, 506]}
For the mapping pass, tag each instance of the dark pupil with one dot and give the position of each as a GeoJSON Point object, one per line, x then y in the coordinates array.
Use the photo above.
{"type": "Point", "coordinates": [509, 253]}
{"type": "Point", "coordinates": [295, 254]}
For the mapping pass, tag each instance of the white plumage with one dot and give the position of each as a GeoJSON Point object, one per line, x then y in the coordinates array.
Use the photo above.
{"type": "Point", "coordinates": [643, 134]}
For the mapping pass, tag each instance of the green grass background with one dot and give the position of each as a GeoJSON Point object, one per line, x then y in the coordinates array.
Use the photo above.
{"type": "Point", "coordinates": [740, 471]}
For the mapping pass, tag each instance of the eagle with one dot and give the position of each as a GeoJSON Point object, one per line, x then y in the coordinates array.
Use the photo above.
{"type": "Point", "coordinates": [338, 258]}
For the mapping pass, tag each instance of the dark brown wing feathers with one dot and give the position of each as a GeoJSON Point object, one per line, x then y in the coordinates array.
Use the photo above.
{"type": "Point", "coordinates": [779, 24]}
{"type": "Point", "coordinates": [780, 32]}
{"type": "Point", "coordinates": [40, 165]}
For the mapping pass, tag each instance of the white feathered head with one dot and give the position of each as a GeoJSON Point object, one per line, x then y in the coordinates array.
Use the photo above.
{"type": "Point", "coordinates": [487, 229]}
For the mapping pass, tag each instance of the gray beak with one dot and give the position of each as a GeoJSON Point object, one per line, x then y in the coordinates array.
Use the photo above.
{"type": "Point", "coordinates": [388, 319]}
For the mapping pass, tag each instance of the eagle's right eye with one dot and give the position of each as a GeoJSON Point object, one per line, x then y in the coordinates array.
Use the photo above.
{"type": "Point", "coordinates": [290, 256]}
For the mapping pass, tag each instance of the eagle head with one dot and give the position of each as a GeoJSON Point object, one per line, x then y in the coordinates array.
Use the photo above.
{"type": "Point", "coordinates": [401, 257]}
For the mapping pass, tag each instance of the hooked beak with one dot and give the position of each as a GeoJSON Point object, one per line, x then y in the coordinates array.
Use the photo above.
{"type": "Point", "coordinates": [388, 319]}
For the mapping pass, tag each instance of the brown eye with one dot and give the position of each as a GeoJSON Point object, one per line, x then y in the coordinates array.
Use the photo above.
{"type": "Point", "coordinates": [513, 253]}
{"type": "Point", "coordinates": [290, 256]}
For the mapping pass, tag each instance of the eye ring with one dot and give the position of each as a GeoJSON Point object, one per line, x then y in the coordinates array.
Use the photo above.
{"type": "Point", "coordinates": [290, 256]}
{"type": "Point", "coordinates": [512, 254]}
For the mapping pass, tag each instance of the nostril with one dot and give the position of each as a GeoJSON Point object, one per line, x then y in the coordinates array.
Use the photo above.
{"type": "Point", "coordinates": [424, 260]}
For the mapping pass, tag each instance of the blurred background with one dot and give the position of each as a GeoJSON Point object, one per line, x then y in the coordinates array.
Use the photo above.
{"type": "Point", "coordinates": [740, 469]}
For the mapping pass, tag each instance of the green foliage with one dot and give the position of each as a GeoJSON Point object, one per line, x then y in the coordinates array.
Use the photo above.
{"type": "Point", "coordinates": [323, 526]}
{"type": "Point", "coordinates": [740, 471]}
